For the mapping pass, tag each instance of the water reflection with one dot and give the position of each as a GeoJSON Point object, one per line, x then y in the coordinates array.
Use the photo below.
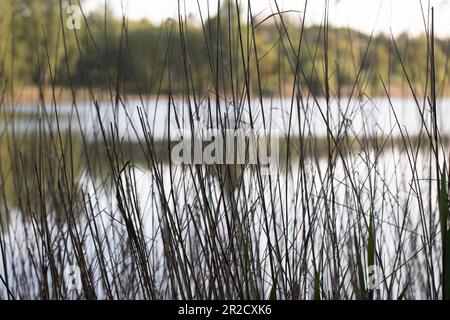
{"type": "Point", "coordinates": [74, 171]}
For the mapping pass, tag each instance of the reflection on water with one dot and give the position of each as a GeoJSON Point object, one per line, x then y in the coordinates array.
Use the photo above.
{"type": "Point", "coordinates": [70, 176]}
{"type": "Point", "coordinates": [373, 115]}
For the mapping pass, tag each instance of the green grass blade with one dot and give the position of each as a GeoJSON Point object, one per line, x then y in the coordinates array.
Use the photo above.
{"type": "Point", "coordinates": [273, 291]}
{"type": "Point", "coordinates": [361, 292]}
{"type": "Point", "coordinates": [447, 266]}
{"type": "Point", "coordinates": [371, 248]}
{"type": "Point", "coordinates": [445, 233]}
{"type": "Point", "coordinates": [317, 285]}
{"type": "Point", "coordinates": [246, 269]}
{"type": "Point", "coordinates": [443, 206]}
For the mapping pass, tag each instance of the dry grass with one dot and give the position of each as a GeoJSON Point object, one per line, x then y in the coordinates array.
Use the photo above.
{"type": "Point", "coordinates": [139, 227]}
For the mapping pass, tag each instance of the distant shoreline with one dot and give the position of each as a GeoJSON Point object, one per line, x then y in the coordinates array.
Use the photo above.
{"type": "Point", "coordinates": [31, 94]}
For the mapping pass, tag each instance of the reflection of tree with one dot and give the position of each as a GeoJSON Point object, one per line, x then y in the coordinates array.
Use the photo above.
{"type": "Point", "coordinates": [38, 177]}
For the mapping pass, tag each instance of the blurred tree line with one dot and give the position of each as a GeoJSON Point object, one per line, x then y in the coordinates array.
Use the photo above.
{"type": "Point", "coordinates": [179, 55]}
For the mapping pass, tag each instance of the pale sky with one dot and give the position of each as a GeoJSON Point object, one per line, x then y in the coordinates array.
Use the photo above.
{"type": "Point", "coordinates": [364, 15]}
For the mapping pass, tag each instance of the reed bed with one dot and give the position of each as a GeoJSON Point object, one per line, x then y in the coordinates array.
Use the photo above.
{"type": "Point", "coordinates": [356, 213]}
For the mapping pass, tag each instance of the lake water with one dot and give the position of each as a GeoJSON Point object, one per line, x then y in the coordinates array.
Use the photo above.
{"type": "Point", "coordinates": [392, 186]}
{"type": "Point", "coordinates": [376, 115]}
